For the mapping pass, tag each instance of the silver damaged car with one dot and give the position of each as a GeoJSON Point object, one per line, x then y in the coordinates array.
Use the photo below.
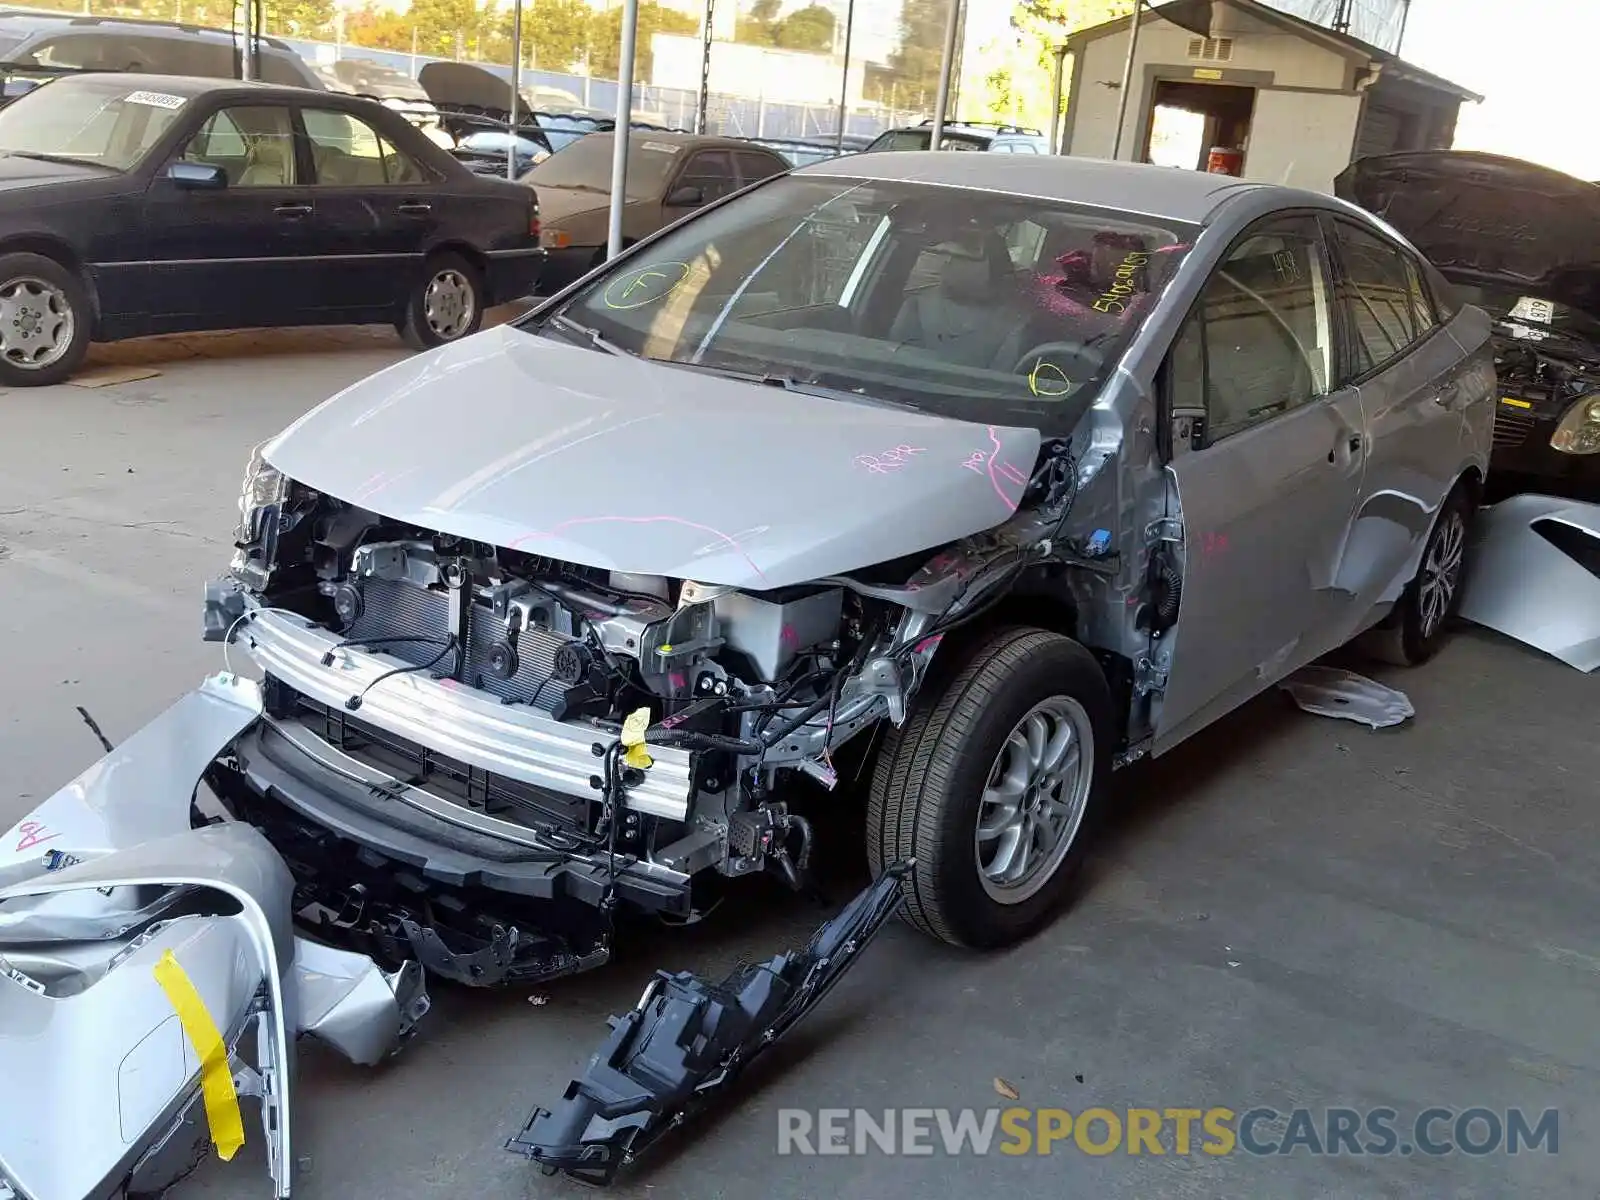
{"type": "Point", "coordinates": [938, 486]}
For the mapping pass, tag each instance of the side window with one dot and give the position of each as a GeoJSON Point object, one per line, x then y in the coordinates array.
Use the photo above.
{"type": "Point", "coordinates": [753, 167]}
{"type": "Point", "coordinates": [1025, 243]}
{"type": "Point", "coordinates": [1376, 295]}
{"type": "Point", "coordinates": [254, 145]}
{"type": "Point", "coordinates": [712, 172]}
{"type": "Point", "coordinates": [1259, 342]}
{"type": "Point", "coordinates": [1421, 298]}
{"type": "Point", "coordinates": [281, 69]}
{"type": "Point", "coordinates": [350, 153]}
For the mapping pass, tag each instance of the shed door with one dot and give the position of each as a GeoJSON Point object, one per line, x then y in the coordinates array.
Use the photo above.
{"type": "Point", "coordinates": [1301, 139]}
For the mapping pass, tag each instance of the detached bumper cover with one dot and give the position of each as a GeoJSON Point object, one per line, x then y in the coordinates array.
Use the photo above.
{"type": "Point", "coordinates": [688, 1040]}
{"type": "Point", "coordinates": [1534, 575]}
{"type": "Point", "coordinates": [102, 882]}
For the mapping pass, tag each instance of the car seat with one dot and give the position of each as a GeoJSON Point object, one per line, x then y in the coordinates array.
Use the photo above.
{"type": "Point", "coordinates": [266, 163]}
{"type": "Point", "coordinates": [969, 315]}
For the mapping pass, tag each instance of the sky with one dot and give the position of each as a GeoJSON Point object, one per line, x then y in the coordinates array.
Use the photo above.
{"type": "Point", "coordinates": [1535, 62]}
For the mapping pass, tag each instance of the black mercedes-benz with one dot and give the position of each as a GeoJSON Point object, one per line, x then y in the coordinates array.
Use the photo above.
{"type": "Point", "coordinates": [141, 204]}
{"type": "Point", "coordinates": [1522, 242]}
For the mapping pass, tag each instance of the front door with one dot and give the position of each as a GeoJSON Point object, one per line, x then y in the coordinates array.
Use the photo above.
{"type": "Point", "coordinates": [1267, 466]}
{"type": "Point", "coordinates": [234, 257]}
{"type": "Point", "coordinates": [375, 212]}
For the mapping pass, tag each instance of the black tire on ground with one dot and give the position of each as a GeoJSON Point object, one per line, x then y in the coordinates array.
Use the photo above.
{"type": "Point", "coordinates": [1413, 633]}
{"type": "Point", "coordinates": [45, 320]}
{"type": "Point", "coordinates": [932, 775]}
{"type": "Point", "coordinates": [446, 303]}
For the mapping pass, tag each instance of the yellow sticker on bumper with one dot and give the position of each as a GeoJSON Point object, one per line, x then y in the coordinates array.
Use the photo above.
{"type": "Point", "coordinates": [216, 1080]}
{"type": "Point", "coordinates": [1515, 403]}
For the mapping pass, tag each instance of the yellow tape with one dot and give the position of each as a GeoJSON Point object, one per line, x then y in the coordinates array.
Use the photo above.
{"type": "Point", "coordinates": [216, 1080]}
{"type": "Point", "coordinates": [633, 751]}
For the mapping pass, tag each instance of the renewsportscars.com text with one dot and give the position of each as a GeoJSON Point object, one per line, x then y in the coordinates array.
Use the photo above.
{"type": "Point", "coordinates": [1167, 1131]}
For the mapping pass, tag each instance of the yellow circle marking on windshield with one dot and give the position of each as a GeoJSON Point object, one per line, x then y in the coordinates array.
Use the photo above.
{"type": "Point", "coordinates": [1047, 379]}
{"type": "Point", "coordinates": [644, 285]}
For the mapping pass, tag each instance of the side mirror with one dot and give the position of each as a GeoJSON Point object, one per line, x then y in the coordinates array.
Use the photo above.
{"type": "Point", "coordinates": [685, 197]}
{"type": "Point", "coordinates": [198, 176]}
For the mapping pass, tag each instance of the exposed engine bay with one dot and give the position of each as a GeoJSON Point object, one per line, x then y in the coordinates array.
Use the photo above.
{"type": "Point", "coordinates": [1543, 374]}
{"type": "Point", "coordinates": [574, 737]}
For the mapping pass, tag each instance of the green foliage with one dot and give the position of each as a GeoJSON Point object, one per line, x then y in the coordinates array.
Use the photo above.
{"type": "Point", "coordinates": [811, 29]}
{"type": "Point", "coordinates": [605, 37]}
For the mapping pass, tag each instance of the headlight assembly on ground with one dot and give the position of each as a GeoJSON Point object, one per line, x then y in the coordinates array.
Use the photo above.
{"type": "Point", "coordinates": [1175, 1131]}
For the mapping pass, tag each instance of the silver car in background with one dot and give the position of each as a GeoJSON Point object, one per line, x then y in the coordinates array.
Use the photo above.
{"type": "Point", "coordinates": [973, 477]}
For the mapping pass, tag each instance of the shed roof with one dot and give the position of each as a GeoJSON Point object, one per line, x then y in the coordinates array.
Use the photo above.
{"type": "Point", "coordinates": [1340, 43]}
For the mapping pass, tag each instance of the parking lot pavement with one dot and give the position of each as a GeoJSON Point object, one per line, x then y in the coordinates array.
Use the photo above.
{"type": "Point", "coordinates": [1288, 911]}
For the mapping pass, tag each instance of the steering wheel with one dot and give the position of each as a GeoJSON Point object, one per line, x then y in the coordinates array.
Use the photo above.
{"type": "Point", "coordinates": [1054, 368]}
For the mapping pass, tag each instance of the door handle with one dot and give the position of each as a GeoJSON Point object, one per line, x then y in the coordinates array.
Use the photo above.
{"type": "Point", "coordinates": [416, 210]}
{"type": "Point", "coordinates": [293, 211]}
{"type": "Point", "coordinates": [1353, 444]}
{"type": "Point", "coordinates": [1448, 394]}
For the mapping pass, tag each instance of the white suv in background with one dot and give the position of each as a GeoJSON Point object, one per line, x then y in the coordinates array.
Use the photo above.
{"type": "Point", "coordinates": [964, 135]}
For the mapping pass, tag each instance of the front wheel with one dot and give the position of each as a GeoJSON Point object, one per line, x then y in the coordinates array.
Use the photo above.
{"type": "Point", "coordinates": [445, 305]}
{"type": "Point", "coordinates": [45, 321]}
{"type": "Point", "coordinates": [993, 786]}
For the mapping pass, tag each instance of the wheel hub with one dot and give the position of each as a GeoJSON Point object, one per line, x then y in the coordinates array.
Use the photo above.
{"type": "Point", "coordinates": [36, 322]}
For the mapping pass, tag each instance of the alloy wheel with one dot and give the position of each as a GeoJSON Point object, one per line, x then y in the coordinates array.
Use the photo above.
{"type": "Point", "coordinates": [1035, 800]}
{"type": "Point", "coordinates": [1441, 572]}
{"type": "Point", "coordinates": [36, 323]}
{"type": "Point", "coordinates": [448, 304]}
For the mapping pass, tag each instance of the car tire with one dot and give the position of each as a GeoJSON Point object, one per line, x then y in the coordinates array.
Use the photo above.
{"type": "Point", "coordinates": [445, 305]}
{"type": "Point", "coordinates": [965, 747]}
{"type": "Point", "coordinates": [45, 321]}
{"type": "Point", "coordinates": [1420, 622]}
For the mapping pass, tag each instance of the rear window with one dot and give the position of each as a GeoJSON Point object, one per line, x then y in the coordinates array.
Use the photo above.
{"type": "Point", "coordinates": [586, 165]}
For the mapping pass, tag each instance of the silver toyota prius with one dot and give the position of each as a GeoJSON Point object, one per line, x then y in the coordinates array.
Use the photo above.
{"type": "Point", "coordinates": [940, 485]}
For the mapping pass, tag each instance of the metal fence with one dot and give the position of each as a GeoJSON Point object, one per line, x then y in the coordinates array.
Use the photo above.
{"type": "Point", "coordinates": [736, 116]}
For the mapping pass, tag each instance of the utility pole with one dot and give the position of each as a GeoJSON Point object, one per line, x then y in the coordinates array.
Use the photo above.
{"type": "Point", "coordinates": [844, 83]}
{"type": "Point", "coordinates": [1127, 78]}
{"type": "Point", "coordinates": [947, 65]}
{"type": "Point", "coordinates": [703, 100]}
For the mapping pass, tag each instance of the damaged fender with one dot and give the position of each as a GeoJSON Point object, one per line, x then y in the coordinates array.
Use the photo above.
{"type": "Point", "coordinates": [687, 1040]}
{"type": "Point", "coordinates": [1533, 574]}
{"type": "Point", "coordinates": [150, 977]}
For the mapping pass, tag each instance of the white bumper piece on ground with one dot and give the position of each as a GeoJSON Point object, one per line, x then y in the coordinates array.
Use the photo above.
{"type": "Point", "coordinates": [1534, 575]}
{"type": "Point", "coordinates": [150, 979]}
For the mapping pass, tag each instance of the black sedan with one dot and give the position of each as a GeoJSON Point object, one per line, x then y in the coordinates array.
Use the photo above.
{"type": "Point", "coordinates": [141, 204]}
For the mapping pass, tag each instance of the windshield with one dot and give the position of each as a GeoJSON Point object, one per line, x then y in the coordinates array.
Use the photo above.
{"type": "Point", "coordinates": [98, 120]}
{"type": "Point", "coordinates": [586, 165]}
{"type": "Point", "coordinates": [1532, 311]}
{"type": "Point", "coordinates": [986, 308]}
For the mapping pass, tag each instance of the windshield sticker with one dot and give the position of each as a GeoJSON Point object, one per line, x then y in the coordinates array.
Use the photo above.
{"type": "Point", "coordinates": [644, 285]}
{"type": "Point", "coordinates": [888, 461]}
{"type": "Point", "coordinates": [1047, 380]}
{"type": "Point", "coordinates": [1531, 309]}
{"type": "Point", "coordinates": [660, 147]}
{"type": "Point", "coordinates": [155, 100]}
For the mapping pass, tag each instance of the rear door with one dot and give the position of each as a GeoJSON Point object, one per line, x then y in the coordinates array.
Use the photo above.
{"type": "Point", "coordinates": [1267, 460]}
{"type": "Point", "coordinates": [756, 165]}
{"type": "Point", "coordinates": [238, 256]}
{"type": "Point", "coordinates": [377, 208]}
{"type": "Point", "coordinates": [1415, 383]}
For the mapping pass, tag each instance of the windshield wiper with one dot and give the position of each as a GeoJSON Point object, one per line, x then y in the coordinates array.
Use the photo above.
{"type": "Point", "coordinates": [593, 336]}
{"type": "Point", "coordinates": [789, 384]}
{"type": "Point", "coordinates": [65, 160]}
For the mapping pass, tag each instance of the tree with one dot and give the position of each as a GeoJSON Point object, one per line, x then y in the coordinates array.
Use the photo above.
{"type": "Point", "coordinates": [605, 39]}
{"type": "Point", "coordinates": [297, 18]}
{"type": "Point", "coordinates": [810, 29]}
{"type": "Point", "coordinates": [378, 28]}
{"type": "Point", "coordinates": [1041, 26]}
{"type": "Point", "coordinates": [758, 25]}
{"type": "Point", "coordinates": [913, 77]}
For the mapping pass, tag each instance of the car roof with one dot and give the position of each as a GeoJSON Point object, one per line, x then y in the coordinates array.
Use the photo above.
{"type": "Point", "coordinates": [1166, 192]}
{"type": "Point", "coordinates": [693, 141]}
{"type": "Point", "coordinates": [15, 21]}
{"type": "Point", "coordinates": [191, 87]}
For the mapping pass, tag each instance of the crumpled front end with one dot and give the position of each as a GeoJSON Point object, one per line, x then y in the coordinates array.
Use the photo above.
{"type": "Point", "coordinates": [150, 981]}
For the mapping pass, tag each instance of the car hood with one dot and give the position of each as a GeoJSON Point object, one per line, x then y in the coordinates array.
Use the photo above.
{"type": "Point", "coordinates": [17, 172]}
{"type": "Point", "coordinates": [1483, 219]}
{"type": "Point", "coordinates": [612, 461]}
